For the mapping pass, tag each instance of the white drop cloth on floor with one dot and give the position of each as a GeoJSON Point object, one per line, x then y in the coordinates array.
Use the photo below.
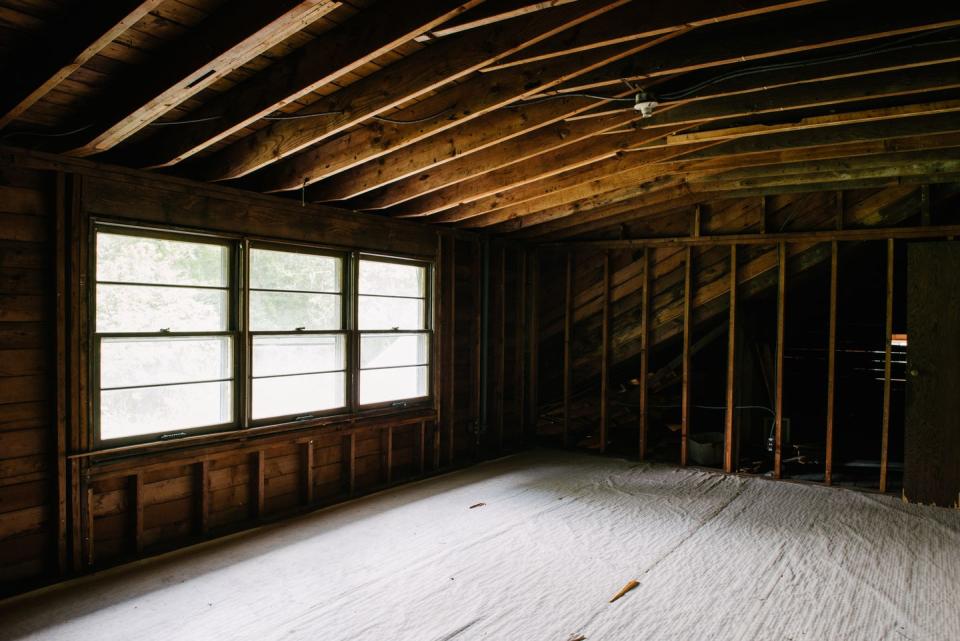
{"type": "Point", "coordinates": [717, 557]}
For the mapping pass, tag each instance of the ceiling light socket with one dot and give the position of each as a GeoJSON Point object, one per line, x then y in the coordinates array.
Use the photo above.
{"type": "Point", "coordinates": [645, 104]}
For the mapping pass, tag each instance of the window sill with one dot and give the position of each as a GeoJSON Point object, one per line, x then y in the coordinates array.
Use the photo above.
{"type": "Point", "coordinates": [191, 448]}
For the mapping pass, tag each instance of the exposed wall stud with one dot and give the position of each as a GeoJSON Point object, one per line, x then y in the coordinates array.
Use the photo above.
{"type": "Point", "coordinates": [605, 355]}
{"type": "Point", "coordinates": [778, 365]}
{"type": "Point", "coordinates": [567, 334]}
{"type": "Point", "coordinates": [831, 362]}
{"type": "Point", "coordinates": [685, 375]}
{"type": "Point", "coordinates": [887, 364]}
{"type": "Point", "coordinates": [644, 351]}
{"type": "Point", "coordinates": [728, 462]}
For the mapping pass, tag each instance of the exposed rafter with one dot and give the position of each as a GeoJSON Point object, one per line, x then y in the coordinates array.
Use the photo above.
{"type": "Point", "coordinates": [68, 46]}
{"type": "Point", "coordinates": [219, 45]}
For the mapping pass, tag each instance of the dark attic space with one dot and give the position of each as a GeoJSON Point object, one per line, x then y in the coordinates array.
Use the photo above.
{"type": "Point", "coordinates": [459, 320]}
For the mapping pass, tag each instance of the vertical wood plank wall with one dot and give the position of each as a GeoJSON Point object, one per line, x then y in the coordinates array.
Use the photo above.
{"type": "Point", "coordinates": [29, 507]}
{"type": "Point", "coordinates": [60, 515]}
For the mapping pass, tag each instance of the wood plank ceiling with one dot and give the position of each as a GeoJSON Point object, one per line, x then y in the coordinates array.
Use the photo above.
{"type": "Point", "coordinates": [511, 116]}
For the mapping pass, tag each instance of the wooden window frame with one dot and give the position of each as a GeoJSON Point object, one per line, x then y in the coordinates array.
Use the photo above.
{"type": "Point", "coordinates": [239, 278]}
{"type": "Point", "coordinates": [428, 330]}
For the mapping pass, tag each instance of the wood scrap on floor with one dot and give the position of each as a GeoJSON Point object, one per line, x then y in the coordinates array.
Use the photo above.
{"type": "Point", "coordinates": [629, 586]}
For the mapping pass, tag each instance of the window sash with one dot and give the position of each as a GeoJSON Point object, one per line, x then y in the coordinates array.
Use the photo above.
{"type": "Point", "coordinates": [239, 294]}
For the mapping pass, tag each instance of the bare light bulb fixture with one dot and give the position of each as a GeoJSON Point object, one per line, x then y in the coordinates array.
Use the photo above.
{"type": "Point", "coordinates": [645, 104]}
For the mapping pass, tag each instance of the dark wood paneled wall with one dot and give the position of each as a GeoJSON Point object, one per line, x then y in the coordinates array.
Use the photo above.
{"type": "Point", "coordinates": [65, 511]}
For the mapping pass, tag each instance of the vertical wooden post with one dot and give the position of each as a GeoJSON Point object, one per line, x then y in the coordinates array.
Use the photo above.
{"type": "Point", "coordinates": [502, 356]}
{"type": "Point", "coordinates": [728, 464]}
{"type": "Point", "coordinates": [202, 490]}
{"type": "Point", "coordinates": [888, 334]}
{"type": "Point", "coordinates": [644, 351]}
{"type": "Point", "coordinates": [62, 258]}
{"type": "Point", "coordinates": [452, 383]}
{"type": "Point", "coordinates": [696, 222]}
{"type": "Point", "coordinates": [534, 341]}
{"type": "Point", "coordinates": [831, 361]}
{"type": "Point", "coordinates": [350, 445]}
{"type": "Point", "coordinates": [258, 483]}
{"type": "Point", "coordinates": [441, 377]}
{"type": "Point", "coordinates": [76, 516]}
{"type": "Point", "coordinates": [478, 262]}
{"type": "Point", "coordinates": [778, 390]}
{"type": "Point", "coordinates": [926, 218]}
{"type": "Point", "coordinates": [389, 454]}
{"type": "Point", "coordinates": [88, 535]}
{"type": "Point", "coordinates": [520, 351]}
{"type": "Point", "coordinates": [685, 376]}
{"type": "Point", "coordinates": [307, 475]}
{"type": "Point", "coordinates": [763, 214]}
{"type": "Point", "coordinates": [567, 332]}
{"type": "Point", "coordinates": [605, 354]}
{"type": "Point", "coordinates": [421, 442]}
{"type": "Point", "coordinates": [138, 512]}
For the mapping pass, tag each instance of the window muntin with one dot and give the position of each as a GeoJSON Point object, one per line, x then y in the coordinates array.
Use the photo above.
{"type": "Point", "coordinates": [164, 345]}
{"type": "Point", "coordinates": [394, 331]}
{"type": "Point", "coordinates": [299, 342]}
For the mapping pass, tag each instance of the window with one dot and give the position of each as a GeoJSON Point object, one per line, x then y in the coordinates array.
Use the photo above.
{"type": "Point", "coordinates": [193, 333]}
{"type": "Point", "coordinates": [296, 322]}
{"type": "Point", "coordinates": [164, 334]}
{"type": "Point", "coordinates": [394, 337]}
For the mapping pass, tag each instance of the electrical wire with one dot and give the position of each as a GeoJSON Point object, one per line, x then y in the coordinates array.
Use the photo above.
{"type": "Point", "coordinates": [412, 122]}
{"type": "Point", "coordinates": [558, 96]}
{"type": "Point", "coordinates": [42, 134]}
{"type": "Point", "coordinates": [898, 45]}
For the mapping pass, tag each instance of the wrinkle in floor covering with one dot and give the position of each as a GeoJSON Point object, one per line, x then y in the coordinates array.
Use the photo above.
{"type": "Point", "coordinates": [717, 557]}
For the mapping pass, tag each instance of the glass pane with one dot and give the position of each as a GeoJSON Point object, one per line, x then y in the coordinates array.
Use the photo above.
{"type": "Point", "coordinates": [271, 269]}
{"type": "Point", "coordinates": [380, 385]}
{"type": "Point", "coordinates": [282, 311]}
{"type": "Point", "coordinates": [133, 308]}
{"type": "Point", "coordinates": [126, 362]}
{"type": "Point", "coordinates": [288, 395]}
{"type": "Point", "coordinates": [137, 259]}
{"type": "Point", "coordinates": [148, 410]}
{"type": "Point", "coordinates": [275, 355]}
{"type": "Point", "coordinates": [390, 350]}
{"type": "Point", "coordinates": [392, 279]}
{"type": "Point", "coordinates": [391, 313]}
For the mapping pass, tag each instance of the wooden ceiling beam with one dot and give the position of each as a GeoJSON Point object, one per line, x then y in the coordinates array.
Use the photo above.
{"type": "Point", "coordinates": [622, 171]}
{"type": "Point", "coordinates": [655, 184]}
{"type": "Point", "coordinates": [631, 204]}
{"type": "Point", "coordinates": [462, 199]}
{"type": "Point", "coordinates": [220, 44]}
{"type": "Point", "coordinates": [446, 110]}
{"type": "Point", "coordinates": [521, 182]}
{"type": "Point", "coordinates": [673, 197]}
{"type": "Point", "coordinates": [360, 40]}
{"type": "Point", "coordinates": [77, 38]}
{"type": "Point", "coordinates": [614, 172]}
{"type": "Point", "coordinates": [584, 161]}
{"type": "Point", "coordinates": [437, 162]}
{"type": "Point", "coordinates": [809, 29]}
{"type": "Point", "coordinates": [645, 20]}
{"type": "Point", "coordinates": [831, 92]}
{"type": "Point", "coordinates": [446, 61]}
{"type": "Point", "coordinates": [474, 146]}
{"type": "Point", "coordinates": [923, 163]}
{"type": "Point", "coordinates": [492, 12]}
